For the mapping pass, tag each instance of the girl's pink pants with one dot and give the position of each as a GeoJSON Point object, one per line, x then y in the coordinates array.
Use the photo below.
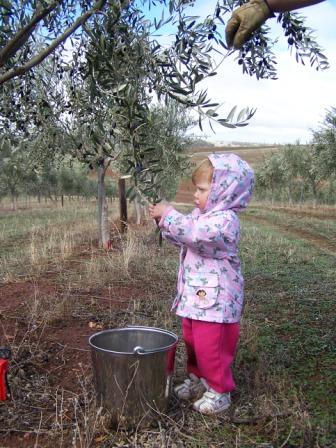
{"type": "Point", "coordinates": [211, 349]}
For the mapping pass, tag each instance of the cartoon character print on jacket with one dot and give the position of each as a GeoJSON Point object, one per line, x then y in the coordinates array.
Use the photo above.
{"type": "Point", "coordinates": [210, 282]}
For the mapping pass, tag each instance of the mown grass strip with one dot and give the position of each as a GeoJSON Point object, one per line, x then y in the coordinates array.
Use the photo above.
{"type": "Point", "coordinates": [294, 311]}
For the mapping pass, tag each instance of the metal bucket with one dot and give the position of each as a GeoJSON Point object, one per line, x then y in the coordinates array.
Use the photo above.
{"type": "Point", "coordinates": [133, 369]}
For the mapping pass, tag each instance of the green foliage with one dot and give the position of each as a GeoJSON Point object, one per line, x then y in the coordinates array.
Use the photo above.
{"type": "Point", "coordinates": [23, 23]}
{"type": "Point", "coordinates": [115, 64]}
{"type": "Point", "coordinates": [324, 143]}
{"type": "Point", "coordinates": [50, 178]}
{"type": "Point", "coordinates": [161, 153]}
{"type": "Point", "coordinates": [15, 167]}
{"type": "Point", "coordinates": [269, 174]}
{"type": "Point", "coordinates": [95, 103]}
{"type": "Point", "coordinates": [301, 38]}
{"type": "Point", "coordinates": [60, 179]}
{"type": "Point", "coordinates": [296, 173]}
{"type": "Point", "coordinates": [257, 57]}
{"type": "Point", "coordinates": [173, 71]}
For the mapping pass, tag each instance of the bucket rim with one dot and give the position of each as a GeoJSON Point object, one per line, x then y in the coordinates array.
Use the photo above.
{"type": "Point", "coordinates": [134, 327]}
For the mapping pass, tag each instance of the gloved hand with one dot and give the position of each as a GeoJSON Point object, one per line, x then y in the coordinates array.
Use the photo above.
{"type": "Point", "coordinates": [245, 20]}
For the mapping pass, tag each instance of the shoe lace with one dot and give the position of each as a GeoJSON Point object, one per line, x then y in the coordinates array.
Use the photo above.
{"type": "Point", "coordinates": [215, 397]}
{"type": "Point", "coordinates": [210, 395]}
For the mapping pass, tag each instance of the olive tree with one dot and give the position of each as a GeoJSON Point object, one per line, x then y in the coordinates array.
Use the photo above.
{"type": "Point", "coordinates": [295, 172]}
{"type": "Point", "coordinates": [33, 30]}
{"type": "Point", "coordinates": [15, 169]}
{"type": "Point", "coordinates": [324, 143]}
{"type": "Point", "coordinates": [104, 84]}
{"type": "Point", "coordinates": [103, 100]}
{"type": "Point", "coordinates": [270, 174]}
{"type": "Point", "coordinates": [162, 156]}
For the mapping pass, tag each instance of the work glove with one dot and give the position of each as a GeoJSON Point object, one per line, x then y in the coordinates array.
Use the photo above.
{"type": "Point", "coordinates": [245, 20]}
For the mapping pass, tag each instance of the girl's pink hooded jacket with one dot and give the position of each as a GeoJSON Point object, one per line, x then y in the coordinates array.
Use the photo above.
{"type": "Point", "coordinates": [210, 282]}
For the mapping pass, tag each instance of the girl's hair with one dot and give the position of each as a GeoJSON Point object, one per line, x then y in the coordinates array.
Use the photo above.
{"type": "Point", "coordinates": [203, 173]}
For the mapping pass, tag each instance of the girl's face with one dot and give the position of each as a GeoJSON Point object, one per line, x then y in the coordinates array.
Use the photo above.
{"type": "Point", "coordinates": [202, 190]}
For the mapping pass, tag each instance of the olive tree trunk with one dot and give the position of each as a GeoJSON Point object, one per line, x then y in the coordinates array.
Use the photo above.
{"type": "Point", "coordinates": [103, 224]}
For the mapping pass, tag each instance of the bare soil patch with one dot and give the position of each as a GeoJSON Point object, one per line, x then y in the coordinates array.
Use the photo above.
{"type": "Point", "coordinates": [14, 294]}
{"type": "Point", "coordinates": [48, 331]}
{"type": "Point", "coordinates": [252, 154]}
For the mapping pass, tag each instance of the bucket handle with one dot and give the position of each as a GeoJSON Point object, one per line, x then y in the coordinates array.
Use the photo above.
{"type": "Point", "coordinates": [138, 350]}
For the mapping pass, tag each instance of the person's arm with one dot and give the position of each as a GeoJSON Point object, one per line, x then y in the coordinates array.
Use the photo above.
{"type": "Point", "coordinates": [214, 237]}
{"type": "Point", "coordinates": [290, 5]}
{"type": "Point", "coordinates": [249, 17]}
{"type": "Point", "coordinates": [158, 212]}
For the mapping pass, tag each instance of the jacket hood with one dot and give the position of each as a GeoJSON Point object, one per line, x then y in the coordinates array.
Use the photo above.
{"type": "Point", "coordinates": [232, 183]}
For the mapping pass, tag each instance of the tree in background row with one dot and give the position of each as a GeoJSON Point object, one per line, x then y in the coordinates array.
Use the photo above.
{"type": "Point", "coordinates": [19, 176]}
{"type": "Point", "coordinates": [324, 143]}
{"type": "Point", "coordinates": [15, 169]}
{"type": "Point", "coordinates": [298, 172]}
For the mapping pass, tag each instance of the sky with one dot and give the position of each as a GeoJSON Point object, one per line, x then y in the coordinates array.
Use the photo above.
{"type": "Point", "coordinates": [287, 108]}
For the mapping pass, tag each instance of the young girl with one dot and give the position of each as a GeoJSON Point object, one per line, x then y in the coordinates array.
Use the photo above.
{"type": "Point", "coordinates": [210, 283]}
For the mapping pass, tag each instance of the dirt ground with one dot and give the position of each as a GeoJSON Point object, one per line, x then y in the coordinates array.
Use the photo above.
{"type": "Point", "coordinates": [49, 357]}
{"type": "Point", "coordinates": [52, 353]}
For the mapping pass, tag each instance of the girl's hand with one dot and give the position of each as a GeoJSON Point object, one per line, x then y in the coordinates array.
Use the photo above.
{"type": "Point", "coordinates": [156, 211]}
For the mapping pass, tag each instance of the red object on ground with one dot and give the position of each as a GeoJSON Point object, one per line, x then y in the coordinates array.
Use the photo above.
{"type": "Point", "coordinates": [3, 373]}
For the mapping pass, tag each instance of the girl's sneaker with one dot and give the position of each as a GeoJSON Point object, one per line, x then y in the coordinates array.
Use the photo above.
{"type": "Point", "coordinates": [212, 402]}
{"type": "Point", "coordinates": [192, 387]}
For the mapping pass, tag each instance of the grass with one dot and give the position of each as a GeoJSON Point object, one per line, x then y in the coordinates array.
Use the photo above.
{"type": "Point", "coordinates": [319, 226]}
{"type": "Point", "coordinates": [285, 365]}
{"type": "Point", "coordinates": [294, 309]}
{"type": "Point", "coordinates": [33, 239]}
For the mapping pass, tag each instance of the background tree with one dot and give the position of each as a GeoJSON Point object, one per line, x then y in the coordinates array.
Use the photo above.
{"type": "Point", "coordinates": [15, 168]}
{"type": "Point", "coordinates": [296, 173]}
{"type": "Point", "coordinates": [324, 143]}
{"type": "Point", "coordinates": [291, 167]}
{"type": "Point", "coordinates": [270, 175]}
